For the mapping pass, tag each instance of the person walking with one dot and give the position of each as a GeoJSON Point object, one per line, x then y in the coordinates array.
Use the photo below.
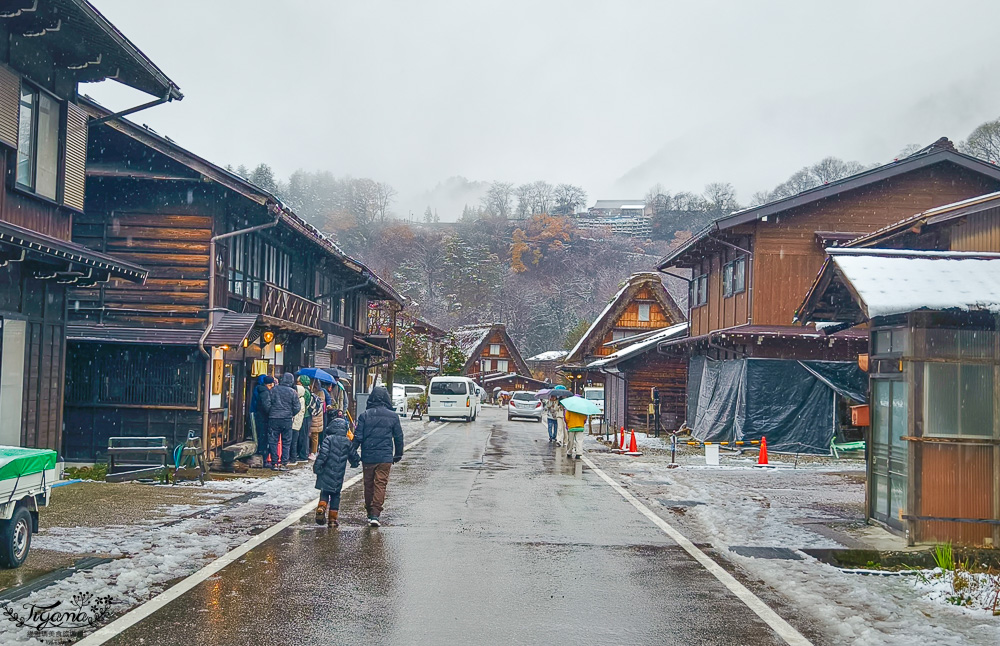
{"type": "Point", "coordinates": [330, 465]}
{"type": "Point", "coordinates": [281, 405]}
{"type": "Point", "coordinates": [317, 410]}
{"type": "Point", "coordinates": [576, 424]}
{"type": "Point", "coordinates": [380, 437]}
{"type": "Point", "coordinates": [300, 419]}
{"type": "Point", "coordinates": [261, 391]}
{"type": "Point", "coordinates": [552, 414]}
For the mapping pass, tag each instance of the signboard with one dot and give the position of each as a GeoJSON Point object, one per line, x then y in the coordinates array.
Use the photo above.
{"type": "Point", "coordinates": [217, 376]}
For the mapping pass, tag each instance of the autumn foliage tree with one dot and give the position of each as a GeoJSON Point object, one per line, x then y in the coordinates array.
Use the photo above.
{"type": "Point", "coordinates": [541, 235]}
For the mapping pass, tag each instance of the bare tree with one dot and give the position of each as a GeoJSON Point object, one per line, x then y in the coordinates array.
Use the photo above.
{"type": "Point", "coordinates": [831, 169]}
{"type": "Point", "coordinates": [382, 197]}
{"type": "Point", "coordinates": [984, 142]}
{"type": "Point", "coordinates": [541, 197]}
{"type": "Point", "coordinates": [568, 199]}
{"type": "Point", "coordinates": [721, 198]}
{"type": "Point", "coordinates": [523, 195]}
{"type": "Point", "coordinates": [498, 200]}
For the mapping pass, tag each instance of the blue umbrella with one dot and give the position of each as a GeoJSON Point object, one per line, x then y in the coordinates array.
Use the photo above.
{"type": "Point", "coordinates": [316, 373]}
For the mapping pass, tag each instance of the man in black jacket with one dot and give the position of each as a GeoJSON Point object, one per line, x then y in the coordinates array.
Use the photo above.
{"type": "Point", "coordinates": [281, 406]}
{"type": "Point", "coordinates": [380, 437]}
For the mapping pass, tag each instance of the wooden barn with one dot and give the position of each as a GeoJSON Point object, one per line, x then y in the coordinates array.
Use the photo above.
{"type": "Point", "coordinates": [43, 159]}
{"type": "Point", "coordinates": [631, 375]}
{"type": "Point", "coordinates": [489, 352]}
{"type": "Point", "coordinates": [238, 287]}
{"type": "Point", "coordinates": [641, 305]}
{"type": "Point", "coordinates": [926, 290]}
{"type": "Point", "coordinates": [750, 269]}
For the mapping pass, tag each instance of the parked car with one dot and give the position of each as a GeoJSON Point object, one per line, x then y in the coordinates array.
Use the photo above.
{"type": "Point", "coordinates": [452, 397]}
{"type": "Point", "coordinates": [596, 395]}
{"type": "Point", "coordinates": [524, 404]}
{"type": "Point", "coordinates": [401, 394]}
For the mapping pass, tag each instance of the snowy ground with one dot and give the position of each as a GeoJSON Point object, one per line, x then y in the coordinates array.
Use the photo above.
{"type": "Point", "coordinates": [182, 539]}
{"type": "Point", "coordinates": [812, 502]}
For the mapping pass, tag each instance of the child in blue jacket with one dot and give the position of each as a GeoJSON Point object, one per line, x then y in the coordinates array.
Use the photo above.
{"type": "Point", "coordinates": [330, 466]}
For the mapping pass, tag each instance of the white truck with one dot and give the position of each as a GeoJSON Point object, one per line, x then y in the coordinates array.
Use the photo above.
{"type": "Point", "coordinates": [26, 479]}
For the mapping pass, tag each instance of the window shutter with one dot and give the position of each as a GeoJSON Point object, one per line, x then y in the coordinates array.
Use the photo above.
{"type": "Point", "coordinates": [75, 169]}
{"type": "Point", "coordinates": [10, 94]}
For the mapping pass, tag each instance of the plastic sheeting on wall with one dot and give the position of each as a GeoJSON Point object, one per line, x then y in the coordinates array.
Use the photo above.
{"type": "Point", "coordinates": [792, 403]}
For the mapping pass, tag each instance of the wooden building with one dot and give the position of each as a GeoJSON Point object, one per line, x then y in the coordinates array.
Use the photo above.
{"type": "Point", "coordinates": [238, 286]}
{"type": "Point", "coordinates": [631, 375]}
{"type": "Point", "coordinates": [927, 288]}
{"type": "Point", "coordinates": [46, 49]}
{"type": "Point", "coordinates": [641, 305]}
{"type": "Point", "coordinates": [751, 268]}
{"type": "Point", "coordinates": [545, 366]}
{"type": "Point", "coordinates": [489, 352]}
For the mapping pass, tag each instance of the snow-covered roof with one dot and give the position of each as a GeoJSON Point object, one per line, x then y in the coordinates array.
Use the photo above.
{"type": "Point", "coordinates": [468, 337]}
{"type": "Point", "coordinates": [890, 281]}
{"type": "Point", "coordinates": [600, 317]}
{"type": "Point", "coordinates": [551, 355]}
{"type": "Point", "coordinates": [667, 333]}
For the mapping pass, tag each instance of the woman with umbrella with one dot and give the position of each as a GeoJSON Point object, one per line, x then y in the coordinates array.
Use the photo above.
{"type": "Point", "coordinates": [578, 410]}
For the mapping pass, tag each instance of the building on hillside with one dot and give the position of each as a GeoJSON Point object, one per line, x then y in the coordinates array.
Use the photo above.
{"type": "Point", "coordinates": [750, 270]}
{"type": "Point", "coordinates": [631, 375]}
{"type": "Point", "coordinates": [238, 287]}
{"type": "Point", "coordinates": [545, 365]}
{"type": "Point", "coordinates": [617, 217]}
{"type": "Point", "coordinates": [642, 305]}
{"type": "Point", "coordinates": [927, 290]}
{"type": "Point", "coordinates": [48, 49]}
{"type": "Point", "coordinates": [489, 352]}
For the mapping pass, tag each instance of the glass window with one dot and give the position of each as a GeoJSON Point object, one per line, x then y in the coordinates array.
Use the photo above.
{"type": "Point", "coordinates": [740, 274]}
{"type": "Point", "coordinates": [958, 400]}
{"type": "Point", "coordinates": [502, 365]}
{"type": "Point", "coordinates": [449, 388]}
{"type": "Point", "coordinates": [702, 289]}
{"type": "Point", "coordinates": [26, 139]}
{"type": "Point", "coordinates": [47, 168]}
{"type": "Point", "coordinates": [487, 365]}
{"type": "Point", "coordinates": [644, 312]}
{"type": "Point", "coordinates": [727, 280]}
{"type": "Point", "coordinates": [494, 349]}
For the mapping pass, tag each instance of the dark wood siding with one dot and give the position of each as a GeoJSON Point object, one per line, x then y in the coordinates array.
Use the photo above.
{"type": "Point", "coordinates": [667, 374]}
{"type": "Point", "coordinates": [978, 232]}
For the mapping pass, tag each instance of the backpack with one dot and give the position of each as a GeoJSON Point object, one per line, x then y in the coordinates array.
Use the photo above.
{"type": "Point", "coordinates": [315, 407]}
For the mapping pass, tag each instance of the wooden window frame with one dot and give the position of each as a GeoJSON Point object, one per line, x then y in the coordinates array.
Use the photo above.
{"type": "Point", "coordinates": [32, 189]}
{"type": "Point", "coordinates": [729, 285]}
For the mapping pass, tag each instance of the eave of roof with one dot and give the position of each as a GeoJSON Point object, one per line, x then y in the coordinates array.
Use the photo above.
{"type": "Point", "coordinates": [936, 215]}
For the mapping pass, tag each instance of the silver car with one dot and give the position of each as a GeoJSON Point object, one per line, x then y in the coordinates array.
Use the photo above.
{"type": "Point", "coordinates": [524, 404]}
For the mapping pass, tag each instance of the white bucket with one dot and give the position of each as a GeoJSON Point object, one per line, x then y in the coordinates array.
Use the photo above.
{"type": "Point", "coordinates": [712, 455]}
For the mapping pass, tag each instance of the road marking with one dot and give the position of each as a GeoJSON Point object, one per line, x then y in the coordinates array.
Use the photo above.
{"type": "Point", "coordinates": [761, 609]}
{"type": "Point", "coordinates": [139, 613]}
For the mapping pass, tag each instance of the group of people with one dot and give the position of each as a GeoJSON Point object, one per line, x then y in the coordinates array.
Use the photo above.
{"type": "Point", "coordinates": [565, 426]}
{"type": "Point", "coordinates": [294, 412]}
{"type": "Point", "coordinates": [310, 422]}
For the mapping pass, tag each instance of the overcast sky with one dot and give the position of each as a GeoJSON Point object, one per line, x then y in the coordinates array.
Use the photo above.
{"type": "Point", "coordinates": [613, 96]}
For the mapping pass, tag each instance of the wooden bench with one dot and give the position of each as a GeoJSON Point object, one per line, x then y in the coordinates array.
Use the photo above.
{"type": "Point", "coordinates": [123, 454]}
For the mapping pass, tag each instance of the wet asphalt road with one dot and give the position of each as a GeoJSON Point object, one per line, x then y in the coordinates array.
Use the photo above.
{"type": "Point", "coordinates": [491, 537]}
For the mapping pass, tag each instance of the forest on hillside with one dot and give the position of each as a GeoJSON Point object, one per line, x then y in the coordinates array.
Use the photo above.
{"type": "Point", "coordinates": [516, 257]}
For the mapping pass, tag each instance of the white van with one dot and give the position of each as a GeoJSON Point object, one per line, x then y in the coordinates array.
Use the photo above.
{"type": "Point", "coordinates": [401, 395]}
{"type": "Point", "coordinates": [596, 395]}
{"type": "Point", "coordinates": [452, 397]}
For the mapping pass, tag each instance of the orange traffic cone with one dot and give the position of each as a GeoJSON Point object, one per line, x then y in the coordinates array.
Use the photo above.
{"type": "Point", "coordinates": [762, 456]}
{"type": "Point", "coordinates": [633, 446]}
